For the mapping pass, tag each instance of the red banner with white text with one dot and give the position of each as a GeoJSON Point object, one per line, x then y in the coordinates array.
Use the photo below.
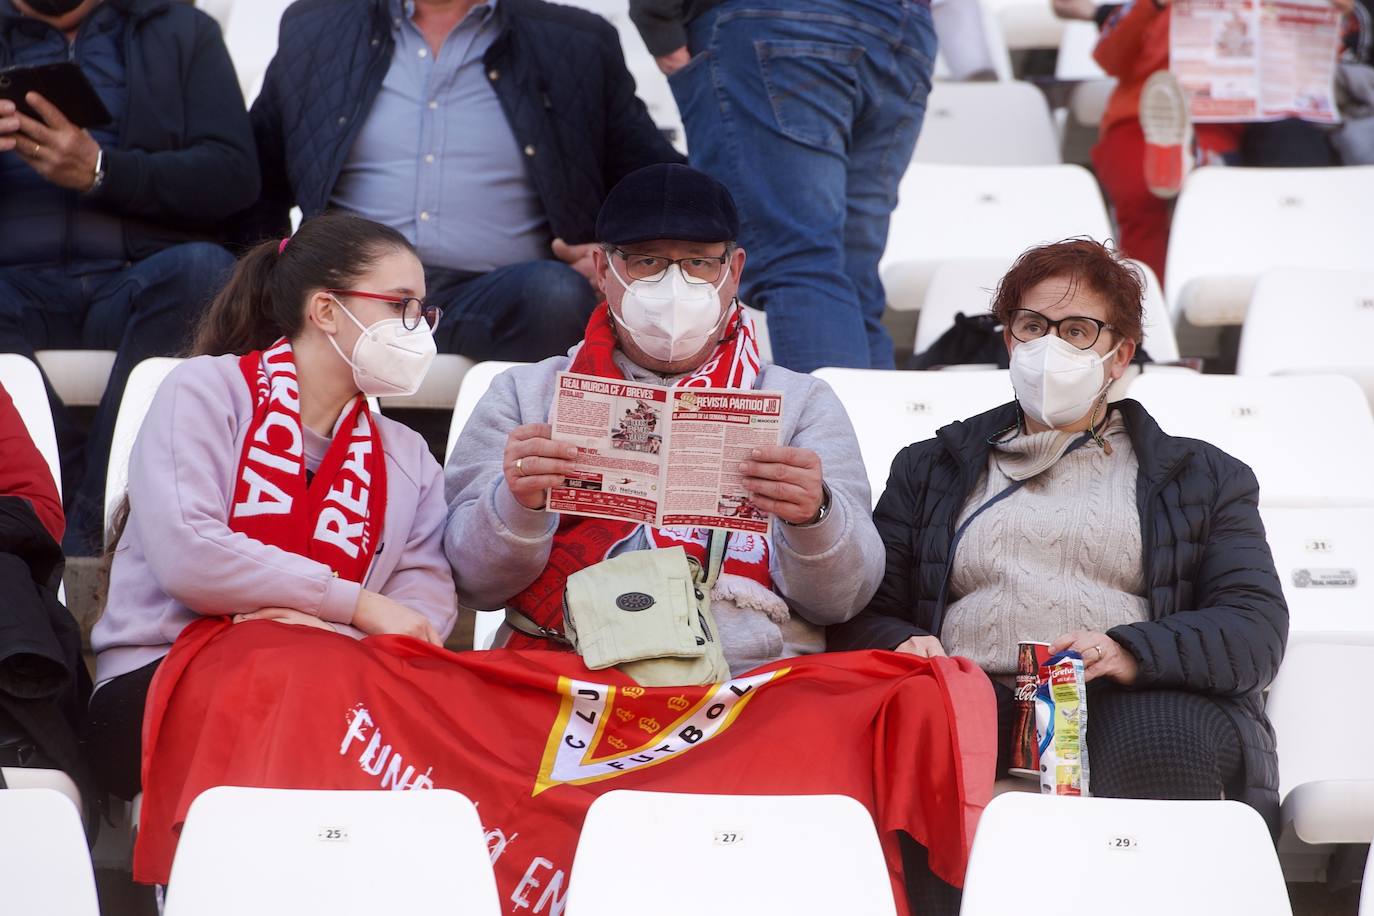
{"type": "Point", "coordinates": [534, 737]}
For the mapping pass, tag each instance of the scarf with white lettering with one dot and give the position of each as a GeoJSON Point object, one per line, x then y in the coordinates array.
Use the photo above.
{"type": "Point", "coordinates": [581, 542]}
{"type": "Point", "coordinates": [336, 518]}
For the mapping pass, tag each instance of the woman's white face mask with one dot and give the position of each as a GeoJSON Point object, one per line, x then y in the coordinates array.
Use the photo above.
{"type": "Point", "coordinates": [1055, 382]}
{"type": "Point", "coordinates": [670, 319]}
{"type": "Point", "coordinates": [388, 359]}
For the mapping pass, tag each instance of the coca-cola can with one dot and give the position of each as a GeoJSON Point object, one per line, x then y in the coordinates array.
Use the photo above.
{"type": "Point", "coordinates": [1025, 751]}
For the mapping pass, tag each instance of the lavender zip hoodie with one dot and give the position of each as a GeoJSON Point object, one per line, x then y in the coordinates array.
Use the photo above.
{"type": "Point", "coordinates": [178, 559]}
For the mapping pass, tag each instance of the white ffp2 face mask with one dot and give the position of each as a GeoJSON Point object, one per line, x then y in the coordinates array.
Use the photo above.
{"type": "Point", "coordinates": [672, 318]}
{"type": "Point", "coordinates": [1055, 382]}
{"type": "Point", "coordinates": [388, 360]}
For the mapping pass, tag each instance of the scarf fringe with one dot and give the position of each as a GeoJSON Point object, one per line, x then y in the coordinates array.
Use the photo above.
{"type": "Point", "coordinates": [748, 593]}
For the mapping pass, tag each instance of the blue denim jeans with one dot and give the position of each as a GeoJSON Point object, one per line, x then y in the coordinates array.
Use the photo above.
{"type": "Point", "coordinates": [139, 309]}
{"type": "Point", "coordinates": [808, 110]}
{"type": "Point", "coordinates": [524, 312]}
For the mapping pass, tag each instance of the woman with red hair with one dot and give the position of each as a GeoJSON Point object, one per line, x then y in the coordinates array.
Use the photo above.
{"type": "Point", "coordinates": [1063, 518]}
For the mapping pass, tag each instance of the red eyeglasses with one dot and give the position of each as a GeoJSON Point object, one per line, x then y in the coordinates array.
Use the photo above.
{"type": "Point", "coordinates": [412, 310]}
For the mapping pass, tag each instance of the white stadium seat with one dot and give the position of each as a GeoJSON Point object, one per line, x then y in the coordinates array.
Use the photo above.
{"type": "Point", "coordinates": [219, 9]}
{"type": "Point", "coordinates": [1308, 438]}
{"type": "Point", "coordinates": [78, 376]}
{"type": "Point", "coordinates": [970, 41]}
{"type": "Point", "coordinates": [1325, 561]}
{"type": "Point", "coordinates": [1027, 24]}
{"type": "Point", "coordinates": [988, 123]}
{"type": "Point", "coordinates": [801, 855]}
{"type": "Point", "coordinates": [475, 384]}
{"type": "Point", "coordinates": [1326, 749]}
{"type": "Point", "coordinates": [953, 212]}
{"type": "Point", "coordinates": [281, 852]}
{"type": "Point", "coordinates": [45, 867]}
{"type": "Point", "coordinates": [1305, 321]}
{"type": "Point", "coordinates": [440, 386]}
{"type": "Point", "coordinates": [1075, 60]}
{"type": "Point", "coordinates": [968, 287]}
{"type": "Point", "coordinates": [1232, 224]}
{"type": "Point", "coordinates": [1127, 857]}
{"type": "Point", "coordinates": [138, 397]}
{"type": "Point", "coordinates": [24, 383]}
{"type": "Point", "coordinates": [251, 36]}
{"type": "Point", "coordinates": [892, 409]}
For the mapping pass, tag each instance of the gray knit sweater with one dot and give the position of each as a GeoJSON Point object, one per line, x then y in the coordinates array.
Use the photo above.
{"type": "Point", "coordinates": [1061, 554]}
{"type": "Point", "coordinates": [825, 573]}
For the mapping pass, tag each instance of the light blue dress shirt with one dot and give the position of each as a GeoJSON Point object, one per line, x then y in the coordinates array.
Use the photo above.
{"type": "Point", "coordinates": [436, 159]}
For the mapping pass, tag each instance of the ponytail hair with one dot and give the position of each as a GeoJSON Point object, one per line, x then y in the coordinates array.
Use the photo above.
{"type": "Point", "coordinates": [266, 295]}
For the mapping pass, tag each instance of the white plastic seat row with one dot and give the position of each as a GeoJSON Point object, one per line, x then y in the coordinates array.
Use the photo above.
{"type": "Point", "coordinates": [987, 123]}
{"type": "Point", "coordinates": [952, 212]}
{"type": "Point", "coordinates": [45, 868]}
{"type": "Point", "coordinates": [1232, 224]}
{"type": "Point", "coordinates": [1303, 321]}
{"type": "Point", "coordinates": [1326, 750]}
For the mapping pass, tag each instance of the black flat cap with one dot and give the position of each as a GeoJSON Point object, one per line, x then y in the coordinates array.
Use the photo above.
{"type": "Point", "coordinates": [667, 201]}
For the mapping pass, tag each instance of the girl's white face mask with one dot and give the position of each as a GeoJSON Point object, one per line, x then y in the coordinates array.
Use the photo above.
{"type": "Point", "coordinates": [388, 360]}
{"type": "Point", "coordinates": [1055, 382]}
{"type": "Point", "coordinates": [671, 319]}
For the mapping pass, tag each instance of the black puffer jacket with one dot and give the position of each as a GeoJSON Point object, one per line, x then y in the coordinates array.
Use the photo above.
{"type": "Point", "coordinates": [558, 73]}
{"type": "Point", "coordinates": [1218, 621]}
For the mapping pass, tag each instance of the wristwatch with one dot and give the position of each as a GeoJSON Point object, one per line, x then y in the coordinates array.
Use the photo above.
{"type": "Point", "coordinates": [821, 513]}
{"type": "Point", "coordinates": [99, 171]}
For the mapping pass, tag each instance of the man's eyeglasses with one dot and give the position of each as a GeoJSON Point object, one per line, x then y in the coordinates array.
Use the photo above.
{"type": "Point", "coordinates": [1079, 330]}
{"type": "Point", "coordinates": [652, 268]}
{"type": "Point", "coordinates": [412, 310]}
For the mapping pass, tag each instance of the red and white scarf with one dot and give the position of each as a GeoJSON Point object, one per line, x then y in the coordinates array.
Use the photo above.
{"type": "Point", "coordinates": [581, 542]}
{"type": "Point", "coordinates": [337, 517]}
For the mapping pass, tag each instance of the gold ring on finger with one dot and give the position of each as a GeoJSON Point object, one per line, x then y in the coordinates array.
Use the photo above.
{"type": "Point", "coordinates": [37, 148]}
{"type": "Point", "coordinates": [520, 466]}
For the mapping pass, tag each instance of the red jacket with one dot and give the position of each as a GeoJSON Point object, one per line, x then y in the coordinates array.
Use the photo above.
{"type": "Point", "coordinates": [23, 470]}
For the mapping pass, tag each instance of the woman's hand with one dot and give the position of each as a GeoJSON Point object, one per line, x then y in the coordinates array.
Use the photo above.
{"type": "Point", "coordinates": [1102, 656]}
{"type": "Point", "coordinates": [922, 647]}
{"type": "Point", "coordinates": [286, 615]}
{"type": "Point", "coordinates": [377, 614]}
{"type": "Point", "coordinates": [533, 463]}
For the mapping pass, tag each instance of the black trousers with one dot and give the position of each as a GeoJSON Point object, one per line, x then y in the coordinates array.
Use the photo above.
{"type": "Point", "coordinates": [114, 732]}
{"type": "Point", "coordinates": [1141, 744]}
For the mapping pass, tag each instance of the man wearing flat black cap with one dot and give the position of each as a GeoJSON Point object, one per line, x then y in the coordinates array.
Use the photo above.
{"type": "Point", "coordinates": [668, 267]}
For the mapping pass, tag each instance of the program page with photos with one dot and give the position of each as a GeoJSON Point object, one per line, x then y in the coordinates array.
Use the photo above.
{"type": "Point", "coordinates": [661, 456]}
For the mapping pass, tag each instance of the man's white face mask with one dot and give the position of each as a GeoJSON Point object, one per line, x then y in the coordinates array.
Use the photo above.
{"type": "Point", "coordinates": [1055, 382]}
{"type": "Point", "coordinates": [671, 319]}
{"type": "Point", "coordinates": [388, 359]}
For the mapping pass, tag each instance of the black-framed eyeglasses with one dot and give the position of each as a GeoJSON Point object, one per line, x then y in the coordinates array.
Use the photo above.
{"type": "Point", "coordinates": [412, 310]}
{"type": "Point", "coordinates": [1078, 330]}
{"type": "Point", "coordinates": [651, 268]}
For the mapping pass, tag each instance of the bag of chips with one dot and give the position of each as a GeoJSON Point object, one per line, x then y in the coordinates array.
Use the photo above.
{"type": "Point", "coordinates": [1061, 723]}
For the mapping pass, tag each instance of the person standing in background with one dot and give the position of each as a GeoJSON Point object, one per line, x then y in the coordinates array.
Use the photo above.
{"type": "Point", "coordinates": [808, 110]}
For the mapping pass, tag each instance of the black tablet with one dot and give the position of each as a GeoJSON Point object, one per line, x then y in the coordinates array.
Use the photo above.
{"type": "Point", "coordinates": [62, 84]}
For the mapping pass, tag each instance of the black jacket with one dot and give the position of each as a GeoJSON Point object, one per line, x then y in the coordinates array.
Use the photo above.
{"type": "Point", "coordinates": [185, 159]}
{"type": "Point", "coordinates": [1218, 622]}
{"type": "Point", "coordinates": [44, 684]}
{"type": "Point", "coordinates": [558, 72]}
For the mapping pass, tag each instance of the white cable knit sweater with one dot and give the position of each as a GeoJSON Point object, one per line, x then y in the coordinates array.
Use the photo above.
{"type": "Point", "coordinates": [1061, 554]}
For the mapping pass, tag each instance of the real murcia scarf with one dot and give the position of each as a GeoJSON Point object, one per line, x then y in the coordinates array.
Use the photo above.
{"type": "Point", "coordinates": [336, 516]}
{"type": "Point", "coordinates": [581, 542]}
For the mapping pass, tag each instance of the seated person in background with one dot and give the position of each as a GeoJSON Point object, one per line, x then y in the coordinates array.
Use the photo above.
{"type": "Point", "coordinates": [43, 680]}
{"type": "Point", "coordinates": [280, 430]}
{"type": "Point", "coordinates": [1063, 518]}
{"type": "Point", "coordinates": [24, 471]}
{"type": "Point", "coordinates": [105, 234]}
{"type": "Point", "coordinates": [774, 596]}
{"type": "Point", "coordinates": [487, 134]}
